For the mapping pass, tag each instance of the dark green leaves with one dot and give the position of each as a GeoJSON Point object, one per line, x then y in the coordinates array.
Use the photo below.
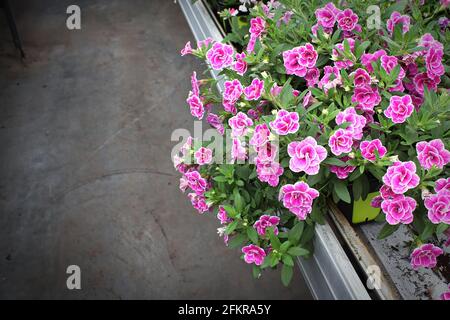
{"type": "Point", "coordinates": [341, 190]}
{"type": "Point", "coordinates": [387, 230]}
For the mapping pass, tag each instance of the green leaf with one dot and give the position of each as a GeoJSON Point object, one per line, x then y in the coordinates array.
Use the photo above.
{"type": "Point", "coordinates": [297, 251]}
{"type": "Point", "coordinates": [285, 245]}
{"type": "Point", "coordinates": [286, 274]}
{"type": "Point", "coordinates": [296, 232]}
{"type": "Point", "coordinates": [427, 231]}
{"type": "Point", "coordinates": [287, 260]}
{"type": "Point", "coordinates": [252, 235]}
{"type": "Point", "coordinates": [441, 228]}
{"type": "Point", "coordinates": [231, 227]}
{"type": "Point", "coordinates": [387, 230]}
{"type": "Point", "coordinates": [237, 241]}
{"type": "Point", "coordinates": [335, 162]}
{"type": "Point", "coordinates": [342, 191]}
{"type": "Point", "coordinates": [230, 210]}
{"type": "Point", "coordinates": [256, 271]}
{"type": "Point", "coordinates": [220, 179]}
{"type": "Point", "coordinates": [357, 189]}
{"type": "Point", "coordinates": [238, 202]}
{"type": "Point", "coordinates": [274, 241]}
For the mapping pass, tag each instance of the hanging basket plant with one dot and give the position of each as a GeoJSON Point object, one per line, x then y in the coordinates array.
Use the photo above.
{"type": "Point", "coordinates": [324, 103]}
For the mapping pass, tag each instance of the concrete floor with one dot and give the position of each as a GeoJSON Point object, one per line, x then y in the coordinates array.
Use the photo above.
{"type": "Point", "coordinates": [86, 176]}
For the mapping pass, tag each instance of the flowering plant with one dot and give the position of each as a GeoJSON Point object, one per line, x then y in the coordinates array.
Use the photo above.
{"type": "Point", "coordinates": [318, 103]}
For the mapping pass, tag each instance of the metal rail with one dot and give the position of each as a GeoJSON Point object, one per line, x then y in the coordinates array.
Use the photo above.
{"type": "Point", "coordinates": [329, 273]}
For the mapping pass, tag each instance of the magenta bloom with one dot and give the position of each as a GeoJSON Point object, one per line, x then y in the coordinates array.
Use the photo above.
{"type": "Point", "coordinates": [433, 60]}
{"type": "Point", "coordinates": [253, 254]}
{"type": "Point", "coordinates": [356, 121]}
{"type": "Point", "coordinates": [422, 80]}
{"type": "Point", "coordinates": [187, 49]}
{"type": "Point", "coordinates": [331, 78]}
{"type": "Point", "coordinates": [239, 124]}
{"type": "Point", "coordinates": [387, 193]}
{"type": "Point", "coordinates": [266, 221]}
{"type": "Point", "coordinates": [442, 184]}
{"type": "Point", "coordinates": [438, 206]}
{"type": "Point", "coordinates": [220, 56]}
{"type": "Point", "coordinates": [368, 58]}
{"type": "Point", "coordinates": [267, 152]}
{"type": "Point", "coordinates": [306, 155]}
{"type": "Point", "coordinates": [194, 83]}
{"type": "Point", "coordinates": [232, 90]}
{"type": "Point", "coordinates": [342, 172]}
{"type": "Point", "coordinates": [215, 121]}
{"type": "Point", "coordinates": [376, 202]}
{"type": "Point", "coordinates": [299, 59]}
{"type": "Point", "coordinates": [425, 256]}
{"type": "Point", "coordinates": [326, 16]}
{"type": "Point", "coordinates": [397, 18]}
{"type": "Point", "coordinates": [446, 295]}
{"type": "Point", "coordinates": [347, 20]}
{"type": "Point", "coordinates": [196, 106]}
{"type": "Point", "coordinates": [254, 90]}
{"type": "Point", "coordinates": [366, 97]}
{"type": "Point", "coordinates": [196, 182]}
{"type": "Point", "coordinates": [268, 171]}
{"type": "Point", "coordinates": [298, 198]}
{"type": "Point", "coordinates": [401, 176]}
{"type": "Point", "coordinates": [203, 156]}
{"type": "Point", "coordinates": [341, 142]}
{"type": "Point", "coordinates": [361, 78]}
{"type": "Point", "coordinates": [238, 151]}
{"type": "Point", "coordinates": [222, 215]}
{"type": "Point", "coordinates": [198, 202]}
{"type": "Point", "coordinates": [257, 26]}
{"type": "Point", "coordinates": [260, 135]}
{"type": "Point", "coordinates": [286, 122]}
{"type": "Point", "coordinates": [368, 149]}
{"type": "Point", "coordinates": [240, 66]}
{"type": "Point", "coordinates": [432, 153]}
{"type": "Point", "coordinates": [400, 108]}
{"type": "Point", "coordinates": [399, 210]}
{"type": "Point", "coordinates": [312, 76]}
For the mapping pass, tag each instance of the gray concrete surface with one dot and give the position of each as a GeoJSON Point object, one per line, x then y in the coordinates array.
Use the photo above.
{"type": "Point", "coordinates": [85, 170]}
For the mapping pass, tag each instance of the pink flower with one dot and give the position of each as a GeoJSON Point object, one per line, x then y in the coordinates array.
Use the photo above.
{"type": "Point", "coordinates": [203, 156]}
{"type": "Point", "coordinates": [368, 58]}
{"type": "Point", "coordinates": [254, 90]}
{"type": "Point", "coordinates": [341, 142]}
{"type": "Point", "coordinates": [376, 202]}
{"type": "Point", "coordinates": [442, 184]}
{"type": "Point", "coordinates": [196, 106]}
{"type": "Point", "coordinates": [401, 176]}
{"type": "Point", "coordinates": [204, 43]}
{"type": "Point", "coordinates": [438, 206]}
{"type": "Point", "coordinates": [397, 18]}
{"type": "Point", "coordinates": [339, 60]}
{"type": "Point", "coordinates": [268, 171]}
{"type": "Point", "coordinates": [220, 56]}
{"type": "Point", "coordinates": [306, 155]}
{"type": "Point", "coordinates": [446, 295]}
{"type": "Point", "coordinates": [347, 20]}
{"type": "Point", "coordinates": [266, 221]}
{"type": "Point", "coordinates": [275, 90]}
{"type": "Point", "coordinates": [253, 254]}
{"type": "Point", "coordinates": [286, 122]}
{"type": "Point", "coordinates": [239, 124]}
{"type": "Point", "coordinates": [433, 60]}
{"type": "Point", "coordinates": [194, 83]}
{"type": "Point", "coordinates": [240, 66]}
{"type": "Point", "coordinates": [388, 63]}
{"type": "Point", "coordinates": [187, 49]}
{"type": "Point", "coordinates": [387, 193]}
{"type": "Point", "coordinates": [342, 172]}
{"type": "Point", "coordinates": [400, 108]}
{"type": "Point", "coordinates": [238, 151]}
{"type": "Point", "coordinates": [299, 59]}
{"type": "Point", "coordinates": [312, 76]}
{"type": "Point", "coordinates": [326, 16]}
{"type": "Point", "coordinates": [196, 182]}
{"type": "Point", "coordinates": [307, 100]}
{"type": "Point", "coordinates": [257, 26]}
{"type": "Point", "coordinates": [399, 210]}
{"type": "Point", "coordinates": [361, 78]}
{"type": "Point", "coordinates": [183, 184]}
{"type": "Point", "coordinates": [422, 79]}
{"type": "Point", "coordinates": [267, 152]}
{"type": "Point", "coordinates": [222, 215]}
{"type": "Point", "coordinates": [298, 198]}
{"type": "Point", "coordinates": [315, 27]}
{"type": "Point", "coordinates": [432, 153]}
{"type": "Point", "coordinates": [425, 256]}
{"type": "Point", "coordinates": [260, 135]}
{"type": "Point", "coordinates": [232, 90]}
{"type": "Point", "coordinates": [356, 121]}
{"type": "Point", "coordinates": [366, 97]}
{"type": "Point", "coordinates": [251, 43]}
{"type": "Point", "coordinates": [215, 121]}
{"type": "Point", "coordinates": [331, 78]}
{"type": "Point", "coordinates": [229, 106]}
{"type": "Point", "coordinates": [368, 149]}
{"type": "Point", "coordinates": [198, 202]}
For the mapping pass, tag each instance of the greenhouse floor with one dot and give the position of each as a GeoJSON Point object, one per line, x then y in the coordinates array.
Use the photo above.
{"type": "Point", "coordinates": [86, 177]}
